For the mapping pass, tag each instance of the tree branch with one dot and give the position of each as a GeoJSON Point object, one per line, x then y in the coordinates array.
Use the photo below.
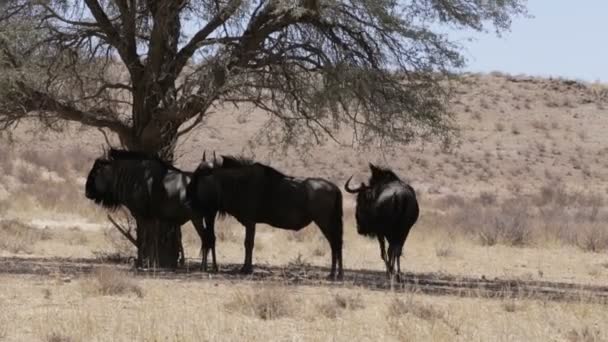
{"type": "Point", "coordinates": [199, 39]}
{"type": "Point", "coordinates": [123, 231]}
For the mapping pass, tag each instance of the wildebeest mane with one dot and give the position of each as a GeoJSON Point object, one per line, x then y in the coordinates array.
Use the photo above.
{"type": "Point", "coordinates": [240, 161]}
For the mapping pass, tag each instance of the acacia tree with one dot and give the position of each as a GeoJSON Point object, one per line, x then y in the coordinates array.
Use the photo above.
{"type": "Point", "coordinates": [149, 71]}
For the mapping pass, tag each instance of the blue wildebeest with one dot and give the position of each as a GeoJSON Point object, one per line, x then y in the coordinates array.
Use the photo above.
{"type": "Point", "coordinates": [387, 208]}
{"type": "Point", "coordinates": [256, 193]}
{"type": "Point", "coordinates": [149, 187]}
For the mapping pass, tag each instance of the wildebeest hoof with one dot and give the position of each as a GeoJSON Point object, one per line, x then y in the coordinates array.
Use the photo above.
{"type": "Point", "coordinates": [333, 277]}
{"type": "Point", "coordinates": [246, 269]}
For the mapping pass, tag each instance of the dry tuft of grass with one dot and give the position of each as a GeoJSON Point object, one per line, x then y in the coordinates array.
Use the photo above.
{"type": "Point", "coordinates": [17, 237]}
{"type": "Point", "coordinates": [58, 337]}
{"type": "Point", "coordinates": [427, 312]}
{"type": "Point", "coordinates": [512, 306]}
{"type": "Point", "coordinates": [107, 281]}
{"type": "Point", "coordinates": [593, 238]}
{"type": "Point", "coordinates": [340, 302]}
{"type": "Point", "coordinates": [584, 334]}
{"type": "Point", "coordinates": [267, 304]}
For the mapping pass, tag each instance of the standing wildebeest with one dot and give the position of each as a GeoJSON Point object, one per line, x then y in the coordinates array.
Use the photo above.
{"type": "Point", "coordinates": [256, 193]}
{"type": "Point", "coordinates": [386, 208]}
{"type": "Point", "coordinates": [149, 187]}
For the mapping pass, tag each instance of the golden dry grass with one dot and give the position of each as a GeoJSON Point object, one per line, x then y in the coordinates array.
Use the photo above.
{"type": "Point", "coordinates": [203, 311]}
{"type": "Point", "coordinates": [521, 197]}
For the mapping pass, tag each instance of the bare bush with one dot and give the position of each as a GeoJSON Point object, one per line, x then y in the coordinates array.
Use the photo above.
{"type": "Point", "coordinates": [585, 334]}
{"type": "Point", "coordinates": [513, 224]}
{"type": "Point", "coordinates": [17, 237]}
{"type": "Point", "coordinates": [267, 304]}
{"type": "Point", "coordinates": [508, 222]}
{"type": "Point", "coordinates": [593, 238]}
{"type": "Point", "coordinates": [399, 308]}
{"type": "Point", "coordinates": [339, 303]}
{"type": "Point", "coordinates": [487, 198]}
{"type": "Point", "coordinates": [56, 160]}
{"type": "Point", "coordinates": [443, 250]}
{"type": "Point", "coordinates": [58, 337]}
{"type": "Point", "coordinates": [450, 201]}
{"type": "Point", "coordinates": [107, 281]}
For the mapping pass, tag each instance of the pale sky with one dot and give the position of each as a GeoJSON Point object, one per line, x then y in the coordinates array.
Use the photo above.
{"type": "Point", "coordinates": [565, 38]}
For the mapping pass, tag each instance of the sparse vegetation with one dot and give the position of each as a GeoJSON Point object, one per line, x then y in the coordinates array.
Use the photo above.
{"type": "Point", "coordinates": [267, 303]}
{"type": "Point", "coordinates": [110, 282]}
{"type": "Point", "coordinates": [542, 188]}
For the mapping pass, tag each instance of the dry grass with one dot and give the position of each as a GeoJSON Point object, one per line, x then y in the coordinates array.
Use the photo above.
{"type": "Point", "coordinates": [110, 282]}
{"type": "Point", "coordinates": [509, 199]}
{"type": "Point", "coordinates": [267, 303]}
{"type": "Point", "coordinates": [18, 238]}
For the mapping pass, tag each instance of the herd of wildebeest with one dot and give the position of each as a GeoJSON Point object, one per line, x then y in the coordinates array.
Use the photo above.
{"type": "Point", "coordinates": [254, 193]}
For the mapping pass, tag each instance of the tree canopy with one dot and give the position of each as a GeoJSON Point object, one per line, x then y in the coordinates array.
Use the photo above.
{"type": "Point", "coordinates": [151, 70]}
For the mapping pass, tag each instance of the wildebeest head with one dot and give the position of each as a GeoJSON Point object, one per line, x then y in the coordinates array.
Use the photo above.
{"type": "Point", "coordinates": [378, 177]}
{"type": "Point", "coordinates": [199, 191]}
{"type": "Point", "coordinates": [99, 184]}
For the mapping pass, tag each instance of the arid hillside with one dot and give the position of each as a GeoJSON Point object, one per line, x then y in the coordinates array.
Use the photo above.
{"type": "Point", "coordinates": [512, 234]}
{"type": "Point", "coordinates": [517, 134]}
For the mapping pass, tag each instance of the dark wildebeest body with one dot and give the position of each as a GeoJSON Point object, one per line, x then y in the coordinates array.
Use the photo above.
{"type": "Point", "coordinates": [387, 208]}
{"type": "Point", "coordinates": [256, 193]}
{"type": "Point", "coordinates": [149, 187]}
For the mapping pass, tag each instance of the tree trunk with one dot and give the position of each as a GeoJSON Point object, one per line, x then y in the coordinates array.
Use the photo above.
{"type": "Point", "coordinates": [158, 242]}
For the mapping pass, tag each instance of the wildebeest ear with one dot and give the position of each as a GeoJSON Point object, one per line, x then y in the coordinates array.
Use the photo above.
{"type": "Point", "coordinates": [204, 156]}
{"type": "Point", "coordinates": [373, 168]}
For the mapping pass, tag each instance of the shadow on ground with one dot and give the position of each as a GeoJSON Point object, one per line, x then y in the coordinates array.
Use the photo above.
{"type": "Point", "coordinates": [308, 275]}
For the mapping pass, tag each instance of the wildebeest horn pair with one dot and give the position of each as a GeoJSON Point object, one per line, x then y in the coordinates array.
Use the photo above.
{"type": "Point", "coordinates": [353, 190]}
{"type": "Point", "coordinates": [205, 156]}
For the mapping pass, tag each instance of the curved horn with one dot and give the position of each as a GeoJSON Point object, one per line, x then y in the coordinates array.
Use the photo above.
{"type": "Point", "coordinates": [349, 190]}
{"type": "Point", "coordinates": [204, 156]}
{"type": "Point", "coordinates": [214, 157]}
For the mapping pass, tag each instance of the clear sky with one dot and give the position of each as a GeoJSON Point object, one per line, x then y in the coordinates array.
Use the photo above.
{"type": "Point", "coordinates": [565, 38]}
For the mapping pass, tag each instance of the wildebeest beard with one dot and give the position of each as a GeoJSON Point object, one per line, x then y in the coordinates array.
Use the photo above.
{"type": "Point", "coordinates": [365, 212]}
{"type": "Point", "coordinates": [123, 185]}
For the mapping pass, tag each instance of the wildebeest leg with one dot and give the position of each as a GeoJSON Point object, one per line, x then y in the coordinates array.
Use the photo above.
{"type": "Point", "coordinates": [335, 243]}
{"type": "Point", "coordinates": [180, 245]}
{"type": "Point", "coordinates": [210, 237]}
{"type": "Point", "coordinates": [249, 240]}
{"type": "Point", "coordinates": [391, 259]}
{"type": "Point", "coordinates": [383, 251]}
{"type": "Point", "coordinates": [200, 229]}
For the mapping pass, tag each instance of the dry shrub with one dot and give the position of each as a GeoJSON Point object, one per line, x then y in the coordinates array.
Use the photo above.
{"type": "Point", "coordinates": [512, 306]}
{"type": "Point", "coordinates": [487, 198]}
{"type": "Point", "coordinates": [17, 237]}
{"type": "Point", "coordinates": [585, 334]}
{"type": "Point", "coordinates": [3, 324]}
{"type": "Point", "coordinates": [267, 304]}
{"type": "Point", "coordinates": [228, 230]}
{"type": "Point", "coordinates": [304, 235]}
{"type": "Point", "coordinates": [593, 238]}
{"type": "Point", "coordinates": [508, 222]}
{"type": "Point", "coordinates": [444, 249]}
{"type": "Point", "coordinates": [451, 201]}
{"type": "Point", "coordinates": [57, 160]}
{"type": "Point", "coordinates": [499, 126]}
{"type": "Point", "coordinates": [513, 224]}
{"type": "Point", "coordinates": [58, 337]}
{"type": "Point", "coordinates": [107, 281]}
{"type": "Point", "coordinates": [120, 249]}
{"type": "Point", "coordinates": [340, 302]}
{"type": "Point", "coordinates": [399, 308]}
